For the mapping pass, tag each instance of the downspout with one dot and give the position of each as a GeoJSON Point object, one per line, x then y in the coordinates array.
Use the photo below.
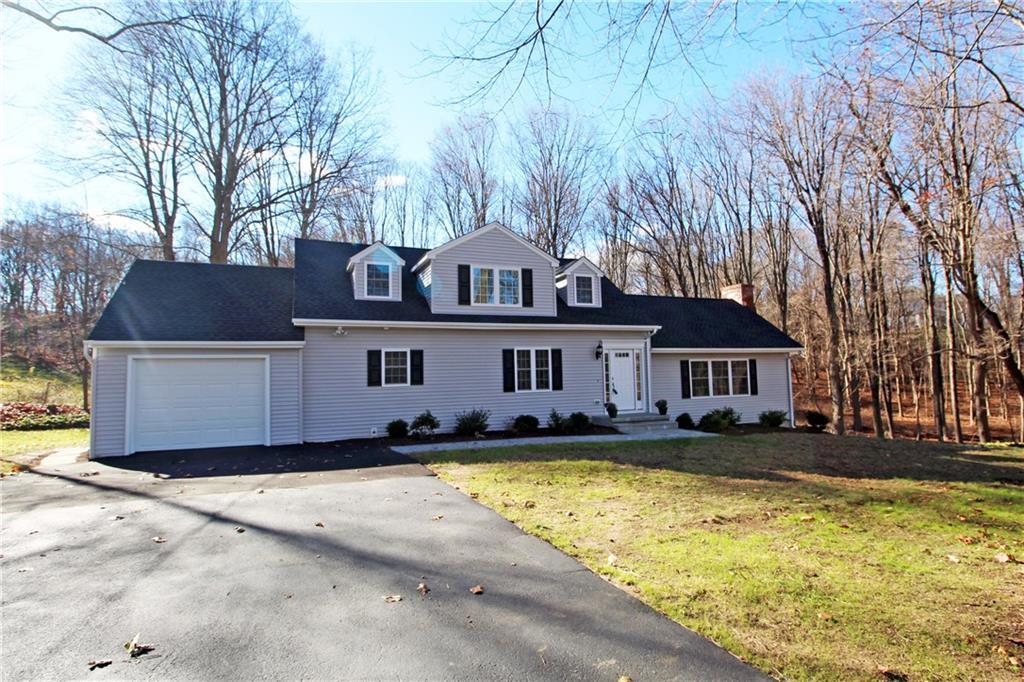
{"type": "Point", "coordinates": [789, 389]}
{"type": "Point", "coordinates": [89, 356]}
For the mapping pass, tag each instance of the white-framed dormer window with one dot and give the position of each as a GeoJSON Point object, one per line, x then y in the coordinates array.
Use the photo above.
{"type": "Point", "coordinates": [533, 369]}
{"type": "Point", "coordinates": [584, 290]}
{"type": "Point", "coordinates": [713, 378]}
{"type": "Point", "coordinates": [378, 280]}
{"type": "Point", "coordinates": [496, 286]}
{"type": "Point", "coordinates": [395, 367]}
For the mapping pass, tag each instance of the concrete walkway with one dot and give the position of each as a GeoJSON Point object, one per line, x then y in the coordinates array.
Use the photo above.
{"type": "Point", "coordinates": [674, 434]}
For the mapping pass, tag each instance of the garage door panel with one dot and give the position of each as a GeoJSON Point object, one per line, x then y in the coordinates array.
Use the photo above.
{"type": "Point", "coordinates": [198, 402]}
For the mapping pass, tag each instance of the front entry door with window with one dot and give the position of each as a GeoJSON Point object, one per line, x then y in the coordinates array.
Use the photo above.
{"type": "Point", "coordinates": [623, 380]}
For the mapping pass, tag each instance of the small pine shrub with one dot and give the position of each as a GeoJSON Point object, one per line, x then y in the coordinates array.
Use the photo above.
{"type": "Point", "coordinates": [399, 428]}
{"type": "Point", "coordinates": [525, 423]}
{"type": "Point", "coordinates": [816, 421]}
{"type": "Point", "coordinates": [719, 420]}
{"type": "Point", "coordinates": [662, 406]}
{"type": "Point", "coordinates": [577, 422]}
{"type": "Point", "coordinates": [472, 422]}
{"type": "Point", "coordinates": [425, 424]}
{"type": "Point", "coordinates": [772, 419]}
{"type": "Point", "coordinates": [685, 421]}
{"type": "Point", "coordinates": [612, 409]}
{"type": "Point", "coordinates": [556, 421]}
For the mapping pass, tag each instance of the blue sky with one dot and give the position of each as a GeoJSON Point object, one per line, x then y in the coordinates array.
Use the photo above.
{"type": "Point", "coordinates": [415, 102]}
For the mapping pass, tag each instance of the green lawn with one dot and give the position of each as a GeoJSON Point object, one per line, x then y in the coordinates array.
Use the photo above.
{"type": "Point", "coordinates": [21, 383]}
{"type": "Point", "coordinates": [14, 443]}
{"type": "Point", "coordinates": [809, 556]}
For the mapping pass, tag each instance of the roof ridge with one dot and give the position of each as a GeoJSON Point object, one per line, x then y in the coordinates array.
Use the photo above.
{"type": "Point", "coordinates": [214, 265]}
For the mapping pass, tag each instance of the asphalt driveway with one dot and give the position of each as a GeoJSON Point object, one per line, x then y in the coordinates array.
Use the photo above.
{"type": "Point", "coordinates": [275, 564]}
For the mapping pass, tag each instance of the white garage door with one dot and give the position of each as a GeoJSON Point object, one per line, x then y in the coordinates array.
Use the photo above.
{"type": "Point", "coordinates": [198, 402]}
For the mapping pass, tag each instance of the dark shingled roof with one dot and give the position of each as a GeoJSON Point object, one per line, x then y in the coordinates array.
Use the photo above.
{"type": "Point", "coordinates": [162, 301]}
{"type": "Point", "coordinates": [323, 290]}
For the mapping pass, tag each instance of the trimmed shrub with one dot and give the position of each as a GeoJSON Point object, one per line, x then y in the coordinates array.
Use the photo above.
{"type": "Point", "coordinates": [425, 424]}
{"type": "Point", "coordinates": [525, 423]}
{"type": "Point", "coordinates": [612, 409]}
{"type": "Point", "coordinates": [556, 421]}
{"type": "Point", "coordinates": [662, 406]}
{"type": "Point", "coordinates": [399, 428]}
{"type": "Point", "coordinates": [719, 420]}
{"type": "Point", "coordinates": [816, 421]}
{"type": "Point", "coordinates": [685, 421]}
{"type": "Point", "coordinates": [472, 422]}
{"type": "Point", "coordinates": [577, 422]}
{"type": "Point", "coordinates": [773, 419]}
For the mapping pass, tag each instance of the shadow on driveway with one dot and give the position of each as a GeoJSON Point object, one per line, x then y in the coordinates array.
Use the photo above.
{"type": "Point", "coordinates": [257, 460]}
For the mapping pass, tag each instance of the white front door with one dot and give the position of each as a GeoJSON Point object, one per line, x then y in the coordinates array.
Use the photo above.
{"type": "Point", "coordinates": [622, 380]}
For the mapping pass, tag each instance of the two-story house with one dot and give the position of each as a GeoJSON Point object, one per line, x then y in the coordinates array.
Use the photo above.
{"type": "Point", "coordinates": [190, 355]}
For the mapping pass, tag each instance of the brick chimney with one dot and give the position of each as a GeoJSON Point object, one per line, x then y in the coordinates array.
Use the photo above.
{"type": "Point", "coordinates": [741, 293]}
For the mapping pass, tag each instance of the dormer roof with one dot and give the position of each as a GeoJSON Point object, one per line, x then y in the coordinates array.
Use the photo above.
{"type": "Point", "coordinates": [568, 267]}
{"type": "Point", "coordinates": [489, 227]}
{"type": "Point", "coordinates": [374, 248]}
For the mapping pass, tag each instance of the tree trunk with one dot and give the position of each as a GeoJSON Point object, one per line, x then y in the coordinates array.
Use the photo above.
{"type": "Point", "coordinates": [954, 398]}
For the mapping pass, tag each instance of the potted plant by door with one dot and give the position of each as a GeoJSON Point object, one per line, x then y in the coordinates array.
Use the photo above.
{"type": "Point", "coordinates": [662, 406]}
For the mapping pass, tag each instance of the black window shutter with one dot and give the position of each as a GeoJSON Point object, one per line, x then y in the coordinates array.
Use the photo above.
{"type": "Point", "coordinates": [753, 376]}
{"type": "Point", "coordinates": [527, 288]}
{"type": "Point", "coordinates": [508, 369]}
{"type": "Point", "coordinates": [684, 373]}
{"type": "Point", "coordinates": [556, 369]}
{"type": "Point", "coordinates": [463, 285]}
{"type": "Point", "coordinates": [416, 367]}
{"type": "Point", "coordinates": [373, 368]}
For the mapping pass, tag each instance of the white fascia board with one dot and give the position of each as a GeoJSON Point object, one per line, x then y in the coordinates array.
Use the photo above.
{"type": "Point", "coordinates": [690, 351]}
{"type": "Point", "coordinates": [476, 233]}
{"type": "Point", "coordinates": [404, 324]}
{"type": "Point", "coordinates": [579, 261]}
{"type": "Point", "coordinates": [369, 251]}
{"type": "Point", "coordinates": [194, 344]}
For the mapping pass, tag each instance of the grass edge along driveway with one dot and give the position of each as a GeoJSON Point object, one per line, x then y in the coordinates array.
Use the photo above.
{"type": "Point", "coordinates": [808, 556]}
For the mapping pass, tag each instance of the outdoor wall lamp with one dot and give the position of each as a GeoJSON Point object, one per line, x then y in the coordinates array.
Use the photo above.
{"type": "Point", "coordinates": [599, 351]}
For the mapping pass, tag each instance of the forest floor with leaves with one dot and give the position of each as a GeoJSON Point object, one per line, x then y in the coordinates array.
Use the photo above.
{"type": "Point", "coordinates": [22, 382]}
{"type": "Point", "coordinates": [809, 556]}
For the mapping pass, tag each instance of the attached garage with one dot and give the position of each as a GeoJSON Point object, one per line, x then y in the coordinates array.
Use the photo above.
{"type": "Point", "coordinates": [185, 401]}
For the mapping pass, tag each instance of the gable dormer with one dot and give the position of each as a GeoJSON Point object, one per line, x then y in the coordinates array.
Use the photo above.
{"type": "Point", "coordinates": [579, 283]}
{"type": "Point", "coordinates": [376, 273]}
{"type": "Point", "coordinates": [490, 271]}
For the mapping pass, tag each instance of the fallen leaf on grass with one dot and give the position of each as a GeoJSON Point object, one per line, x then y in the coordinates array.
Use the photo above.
{"type": "Point", "coordinates": [1005, 558]}
{"type": "Point", "coordinates": [824, 616]}
{"type": "Point", "coordinates": [476, 589]}
{"type": "Point", "coordinates": [612, 559]}
{"type": "Point", "coordinates": [806, 519]}
{"type": "Point", "coordinates": [99, 663]}
{"type": "Point", "coordinates": [889, 674]}
{"type": "Point", "coordinates": [422, 589]}
{"type": "Point", "coordinates": [393, 598]}
{"type": "Point", "coordinates": [966, 539]}
{"type": "Point", "coordinates": [529, 504]}
{"type": "Point", "coordinates": [953, 558]}
{"type": "Point", "coordinates": [159, 540]}
{"type": "Point", "coordinates": [135, 649]}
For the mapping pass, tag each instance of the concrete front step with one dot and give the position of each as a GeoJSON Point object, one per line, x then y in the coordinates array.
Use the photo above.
{"type": "Point", "coordinates": [638, 423]}
{"type": "Point", "coordinates": [646, 427]}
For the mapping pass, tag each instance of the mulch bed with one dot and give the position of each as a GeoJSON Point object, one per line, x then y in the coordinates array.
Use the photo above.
{"type": "Point", "coordinates": [592, 430]}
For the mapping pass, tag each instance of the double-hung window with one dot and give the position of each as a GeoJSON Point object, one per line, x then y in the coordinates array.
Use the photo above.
{"type": "Point", "coordinates": [378, 280]}
{"type": "Point", "coordinates": [496, 286]}
{"type": "Point", "coordinates": [533, 369]}
{"type": "Point", "coordinates": [396, 367]}
{"type": "Point", "coordinates": [719, 378]}
{"type": "Point", "coordinates": [584, 290]}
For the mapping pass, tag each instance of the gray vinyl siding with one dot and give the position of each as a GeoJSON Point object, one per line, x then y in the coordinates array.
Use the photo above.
{"type": "Point", "coordinates": [109, 394]}
{"type": "Point", "coordinates": [772, 384]}
{"type": "Point", "coordinates": [359, 276]}
{"type": "Point", "coordinates": [462, 370]}
{"type": "Point", "coordinates": [490, 249]}
{"type": "Point", "coordinates": [569, 290]}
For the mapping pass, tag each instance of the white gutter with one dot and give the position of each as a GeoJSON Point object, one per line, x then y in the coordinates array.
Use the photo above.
{"type": "Point", "coordinates": [728, 350]}
{"type": "Point", "coordinates": [405, 324]}
{"type": "Point", "coordinates": [89, 345]}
